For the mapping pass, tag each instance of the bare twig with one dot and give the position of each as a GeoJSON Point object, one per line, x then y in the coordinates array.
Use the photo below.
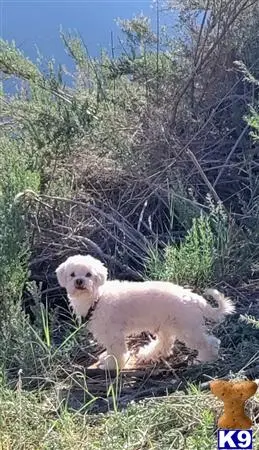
{"type": "Point", "coordinates": [205, 179]}
{"type": "Point", "coordinates": [240, 137]}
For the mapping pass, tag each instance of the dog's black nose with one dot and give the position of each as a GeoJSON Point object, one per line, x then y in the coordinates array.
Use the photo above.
{"type": "Point", "coordinates": [79, 282]}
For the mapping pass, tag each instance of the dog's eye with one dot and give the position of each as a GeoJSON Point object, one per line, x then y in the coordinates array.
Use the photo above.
{"type": "Point", "coordinates": [73, 274]}
{"type": "Point", "coordinates": [88, 275]}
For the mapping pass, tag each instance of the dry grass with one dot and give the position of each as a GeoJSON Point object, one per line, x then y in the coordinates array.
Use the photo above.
{"type": "Point", "coordinates": [41, 420]}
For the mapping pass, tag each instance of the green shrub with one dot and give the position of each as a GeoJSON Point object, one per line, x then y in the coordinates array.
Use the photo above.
{"type": "Point", "coordinates": [189, 262]}
{"type": "Point", "coordinates": [16, 176]}
{"type": "Point", "coordinates": [206, 254]}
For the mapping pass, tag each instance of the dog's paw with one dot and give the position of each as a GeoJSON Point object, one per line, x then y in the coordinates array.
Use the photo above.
{"type": "Point", "coordinates": [205, 357]}
{"type": "Point", "coordinates": [102, 358]}
{"type": "Point", "coordinates": [109, 362]}
{"type": "Point", "coordinates": [148, 353]}
{"type": "Point", "coordinates": [143, 355]}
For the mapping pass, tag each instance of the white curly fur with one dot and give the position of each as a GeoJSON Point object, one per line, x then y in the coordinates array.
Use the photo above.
{"type": "Point", "coordinates": [124, 308]}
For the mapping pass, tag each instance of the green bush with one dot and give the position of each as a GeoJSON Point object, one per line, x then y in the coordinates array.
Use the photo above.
{"type": "Point", "coordinates": [16, 176]}
{"type": "Point", "coordinates": [208, 253]}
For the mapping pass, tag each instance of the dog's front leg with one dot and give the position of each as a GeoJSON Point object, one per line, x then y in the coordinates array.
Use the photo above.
{"type": "Point", "coordinates": [117, 354]}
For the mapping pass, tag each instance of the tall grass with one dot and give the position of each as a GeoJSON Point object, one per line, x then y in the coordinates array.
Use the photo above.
{"type": "Point", "coordinates": [27, 423]}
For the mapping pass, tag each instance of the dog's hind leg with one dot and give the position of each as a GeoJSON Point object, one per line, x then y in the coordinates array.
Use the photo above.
{"type": "Point", "coordinates": [158, 348]}
{"type": "Point", "coordinates": [207, 345]}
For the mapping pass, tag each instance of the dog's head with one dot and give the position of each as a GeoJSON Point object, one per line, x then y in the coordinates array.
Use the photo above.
{"type": "Point", "coordinates": [81, 275]}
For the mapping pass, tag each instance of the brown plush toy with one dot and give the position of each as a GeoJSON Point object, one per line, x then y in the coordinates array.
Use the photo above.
{"type": "Point", "coordinates": [234, 395]}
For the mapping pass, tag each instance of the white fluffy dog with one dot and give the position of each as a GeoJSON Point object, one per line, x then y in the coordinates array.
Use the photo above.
{"type": "Point", "coordinates": [122, 308]}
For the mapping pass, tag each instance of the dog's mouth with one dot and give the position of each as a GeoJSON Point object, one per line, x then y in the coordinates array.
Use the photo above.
{"type": "Point", "coordinates": [81, 288]}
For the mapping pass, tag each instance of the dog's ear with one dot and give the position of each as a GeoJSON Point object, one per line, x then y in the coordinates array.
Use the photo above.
{"type": "Point", "coordinates": [61, 274]}
{"type": "Point", "coordinates": [101, 274]}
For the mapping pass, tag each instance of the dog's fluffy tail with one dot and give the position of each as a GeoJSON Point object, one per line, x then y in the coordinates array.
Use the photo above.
{"type": "Point", "coordinates": [225, 306]}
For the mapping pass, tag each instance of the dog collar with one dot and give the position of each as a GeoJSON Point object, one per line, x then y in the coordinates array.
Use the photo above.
{"type": "Point", "coordinates": [91, 311]}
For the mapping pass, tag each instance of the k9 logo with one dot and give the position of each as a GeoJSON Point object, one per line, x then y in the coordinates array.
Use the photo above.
{"type": "Point", "coordinates": [235, 439]}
